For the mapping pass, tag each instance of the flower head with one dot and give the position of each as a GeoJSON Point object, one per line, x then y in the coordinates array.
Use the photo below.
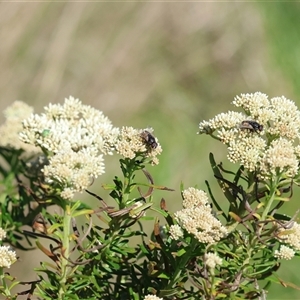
{"type": "Point", "coordinates": [133, 142]}
{"type": "Point", "coordinates": [2, 234]}
{"type": "Point", "coordinates": [284, 252]}
{"type": "Point", "coordinates": [7, 257]}
{"type": "Point", "coordinates": [70, 126]}
{"type": "Point", "coordinates": [74, 138]}
{"type": "Point", "coordinates": [212, 259]}
{"type": "Point", "coordinates": [73, 171]}
{"type": "Point", "coordinates": [291, 236]}
{"type": "Point", "coordinates": [193, 197]}
{"type": "Point", "coordinates": [264, 137]}
{"type": "Point", "coordinates": [196, 218]}
{"type": "Point", "coordinates": [9, 131]}
{"type": "Point", "coordinates": [280, 157]}
{"type": "Point", "coordinates": [176, 232]}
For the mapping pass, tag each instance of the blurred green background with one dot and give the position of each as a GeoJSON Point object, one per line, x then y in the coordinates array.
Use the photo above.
{"type": "Point", "coordinates": [164, 65]}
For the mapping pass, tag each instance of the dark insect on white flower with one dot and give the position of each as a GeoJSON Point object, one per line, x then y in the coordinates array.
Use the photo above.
{"type": "Point", "coordinates": [252, 126]}
{"type": "Point", "coordinates": [149, 139]}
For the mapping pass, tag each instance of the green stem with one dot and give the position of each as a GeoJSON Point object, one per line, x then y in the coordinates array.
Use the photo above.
{"type": "Point", "coordinates": [65, 251]}
{"type": "Point", "coordinates": [5, 290]}
{"type": "Point", "coordinates": [271, 197]}
{"type": "Point", "coordinates": [182, 265]}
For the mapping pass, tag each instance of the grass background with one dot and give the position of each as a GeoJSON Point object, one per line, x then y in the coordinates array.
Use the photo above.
{"type": "Point", "coordinates": [164, 65]}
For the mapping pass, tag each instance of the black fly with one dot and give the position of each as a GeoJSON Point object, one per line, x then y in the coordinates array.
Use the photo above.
{"type": "Point", "coordinates": [149, 139]}
{"type": "Point", "coordinates": [252, 126]}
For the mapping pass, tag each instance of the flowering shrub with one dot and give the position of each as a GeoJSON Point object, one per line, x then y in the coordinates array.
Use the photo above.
{"type": "Point", "coordinates": [202, 251]}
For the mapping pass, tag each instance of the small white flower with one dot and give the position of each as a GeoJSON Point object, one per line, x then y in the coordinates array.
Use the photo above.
{"type": "Point", "coordinates": [193, 197]}
{"type": "Point", "coordinates": [75, 137]}
{"type": "Point", "coordinates": [291, 236]}
{"type": "Point", "coordinates": [74, 171]}
{"type": "Point", "coordinates": [274, 148]}
{"type": "Point", "coordinates": [248, 151]}
{"type": "Point", "coordinates": [175, 232]}
{"type": "Point", "coordinates": [252, 103]}
{"type": "Point", "coordinates": [197, 217]}
{"type": "Point", "coordinates": [284, 253]}
{"type": "Point", "coordinates": [7, 257]}
{"type": "Point", "coordinates": [9, 131]}
{"type": "Point", "coordinates": [280, 157]}
{"type": "Point", "coordinates": [152, 297]}
{"type": "Point", "coordinates": [212, 259]}
{"type": "Point", "coordinates": [71, 125]}
{"type": "Point", "coordinates": [2, 234]}
{"type": "Point", "coordinates": [131, 143]}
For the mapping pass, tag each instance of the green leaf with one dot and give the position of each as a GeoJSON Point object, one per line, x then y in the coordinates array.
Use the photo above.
{"type": "Point", "coordinates": [214, 201]}
{"type": "Point", "coordinates": [109, 187]}
{"type": "Point", "coordinates": [163, 276]}
{"type": "Point", "coordinates": [54, 228]}
{"type": "Point", "coordinates": [223, 183]}
{"type": "Point", "coordinates": [144, 249]}
{"type": "Point", "coordinates": [139, 209]}
{"type": "Point", "coordinates": [83, 212]}
{"type": "Point", "coordinates": [285, 199]}
{"type": "Point", "coordinates": [165, 214]}
{"type": "Point", "coordinates": [180, 252]}
{"type": "Point", "coordinates": [169, 292]}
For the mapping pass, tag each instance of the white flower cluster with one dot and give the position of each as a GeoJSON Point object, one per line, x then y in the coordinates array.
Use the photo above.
{"type": "Point", "coordinates": [290, 237]}
{"type": "Point", "coordinates": [74, 170]}
{"type": "Point", "coordinates": [7, 257]}
{"type": "Point", "coordinates": [212, 259]}
{"type": "Point", "coordinates": [2, 234]}
{"type": "Point", "coordinates": [72, 125]}
{"type": "Point", "coordinates": [9, 131]}
{"type": "Point", "coordinates": [196, 218]}
{"type": "Point", "coordinates": [176, 232]}
{"type": "Point", "coordinates": [152, 297]}
{"type": "Point", "coordinates": [264, 137]}
{"type": "Point", "coordinates": [284, 252]}
{"type": "Point", "coordinates": [132, 142]}
{"type": "Point", "coordinates": [74, 137]}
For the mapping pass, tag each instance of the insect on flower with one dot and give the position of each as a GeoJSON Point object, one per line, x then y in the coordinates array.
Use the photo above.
{"type": "Point", "coordinates": [252, 126]}
{"type": "Point", "coordinates": [149, 139]}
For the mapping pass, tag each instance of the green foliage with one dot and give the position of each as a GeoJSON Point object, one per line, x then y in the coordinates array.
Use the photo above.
{"type": "Point", "coordinates": [110, 252]}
